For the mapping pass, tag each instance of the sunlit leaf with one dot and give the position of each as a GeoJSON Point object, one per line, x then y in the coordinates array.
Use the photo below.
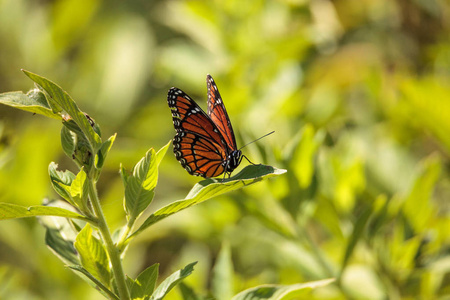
{"type": "Point", "coordinates": [140, 185]}
{"type": "Point", "coordinates": [209, 188]}
{"type": "Point", "coordinates": [93, 255]}
{"type": "Point", "coordinates": [171, 281]}
{"type": "Point", "coordinates": [303, 157]}
{"type": "Point", "coordinates": [34, 102]}
{"type": "Point", "coordinates": [103, 152]}
{"type": "Point", "coordinates": [13, 211]}
{"type": "Point", "coordinates": [63, 99]}
{"type": "Point", "coordinates": [280, 292]}
{"type": "Point", "coordinates": [61, 181]}
{"type": "Point", "coordinates": [418, 208]}
{"type": "Point", "coordinates": [145, 283]}
{"type": "Point", "coordinates": [79, 188]}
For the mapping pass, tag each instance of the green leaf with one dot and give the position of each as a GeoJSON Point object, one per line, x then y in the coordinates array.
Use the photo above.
{"type": "Point", "coordinates": [79, 188]}
{"type": "Point", "coordinates": [139, 187]}
{"type": "Point", "coordinates": [358, 230]}
{"type": "Point", "coordinates": [68, 141]}
{"type": "Point", "coordinates": [93, 255]}
{"type": "Point", "coordinates": [303, 157]}
{"type": "Point", "coordinates": [86, 276]}
{"type": "Point", "coordinates": [34, 102]}
{"type": "Point", "coordinates": [103, 152]}
{"type": "Point", "coordinates": [421, 192]}
{"type": "Point", "coordinates": [187, 292]}
{"type": "Point", "coordinates": [171, 281]}
{"type": "Point", "coordinates": [222, 279]}
{"type": "Point", "coordinates": [209, 188]}
{"type": "Point", "coordinates": [280, 292]}
{"type": "Point", "coordinates": [61, 181]}
{"type": "Point", "coordinates": [145, 283]}
{"type": "Point", "coordinates": [161, 153]}
{"type": "Point", "coordinates": [62, 99]}
{"type": "Point", "coordinates": [61, 247]}
{"type": "Point", "coordinates": [13, 211]}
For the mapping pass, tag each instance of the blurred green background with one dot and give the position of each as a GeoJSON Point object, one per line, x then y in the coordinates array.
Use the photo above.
{"type": "Point", "coordinates": [356, 90]}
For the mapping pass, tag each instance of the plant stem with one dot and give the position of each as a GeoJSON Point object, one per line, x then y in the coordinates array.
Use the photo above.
{"type": "Point", "coordinates": [110, 247]}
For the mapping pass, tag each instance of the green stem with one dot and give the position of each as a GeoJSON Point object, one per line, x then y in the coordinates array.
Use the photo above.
{"type": "Point", "coordinates": [113, 252]}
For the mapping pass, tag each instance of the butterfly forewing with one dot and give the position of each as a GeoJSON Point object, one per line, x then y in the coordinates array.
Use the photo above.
{"type": "Point", "coordinates": [198, 145]}
{"type": "Point", "coordinates": [218, 113]}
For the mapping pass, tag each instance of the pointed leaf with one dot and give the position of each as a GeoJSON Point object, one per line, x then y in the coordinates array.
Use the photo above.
{"type": "Point", "coordinates": [61, 181]}
{"type": "Point", "coordinates": [13, 211]}
{"type": "Point", "coordinates": [79, 188]}
{"type": "Point", "coordinates": [171, 281]}
{"type": "Point", "coordinates": [280, 292]}
{"type": "Point", "coordinates": [358, 230]}
{"type": "Point", "coordinates": [222, 279]}
{"type": "Point", "coordinates": [209, 188]}
{"type": "Point", "coordinates": [34, 102]}
{"type": "Point", "coordinates": [139, 187]}
{"type": "Point", "coordinates": [93, 255]}
{"type": "Point", "coordinates": [103, 152]}
{"type": "Point", "coordinates": [161, 153]}
{"type": "Point", "coordinates": [61, 98]}
{"type": "Point", "coordinates": [145, 283]}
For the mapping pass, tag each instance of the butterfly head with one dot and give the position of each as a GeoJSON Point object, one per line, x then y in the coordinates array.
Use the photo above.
{"type": "Point", "coordinates": [233, 161]}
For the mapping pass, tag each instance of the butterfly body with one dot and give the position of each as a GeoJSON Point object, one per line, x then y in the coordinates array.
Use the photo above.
{"type": "Point", "coordinates": [204, 144]}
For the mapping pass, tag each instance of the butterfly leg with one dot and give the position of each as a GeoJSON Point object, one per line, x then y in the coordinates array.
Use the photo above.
{"type": "Point", "coordinates": [246, 159]}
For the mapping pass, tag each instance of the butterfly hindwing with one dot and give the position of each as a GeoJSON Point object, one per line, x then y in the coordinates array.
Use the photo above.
{"type": "Point", "coordinates": [198, 145]}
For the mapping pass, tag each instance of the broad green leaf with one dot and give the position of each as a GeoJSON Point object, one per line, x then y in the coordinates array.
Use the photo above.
{"type": "Point", "coordinates": [61, 98]}
{"type": "Point", "coordinates": [209, 188]}
{"type": "Point", "coordinates": [34, 102]}
{"type": "Point", "coordinates": [140, 185]}
{"type": "Point", "coordinates": [145, 283]}
{"type": "Point", "coordinates": [68, 140]}
{"type": "Point", "coordinates": [61, 181]}
{"type": "Point", "coordinates": [79, 188]}
{"type": "Point", "coordinates": [61, 247]}
{"type": "Point", "coordinates": [60, 234]}
{"type": "Point", "coordinates": [358, 230]}
{"type": "Point", "coordinates": [103, 152]}
{"type": "Point", "coordinates": [171, 281]}
{"type": "Point", "coordinates": [13, 211]}
{"type": "Point", "coordinates": [93, 255]}
{"type": "Point", "coordinates": [280, 292]}
{"type": "Point", "coordinates": [94, 282]}
{"type": "Point", "coordinates": [222, 279]}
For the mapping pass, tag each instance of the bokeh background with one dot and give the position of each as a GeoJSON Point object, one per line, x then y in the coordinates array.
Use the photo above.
{"type": "Point", "coordinates": [358, 94]}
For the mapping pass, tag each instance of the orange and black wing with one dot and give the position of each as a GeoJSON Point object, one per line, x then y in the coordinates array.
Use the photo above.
{"type": "Point", "coordinates": [198, 144]}
{"type": "Point", "coordinates": [218, 113]}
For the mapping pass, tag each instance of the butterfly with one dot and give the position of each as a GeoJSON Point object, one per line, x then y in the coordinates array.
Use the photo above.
{"type": "Point", "coordinates": [204, 143]}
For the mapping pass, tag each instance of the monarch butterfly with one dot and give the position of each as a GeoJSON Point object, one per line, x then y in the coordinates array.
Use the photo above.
{"type": "Point", "coordinates": [204, 143]}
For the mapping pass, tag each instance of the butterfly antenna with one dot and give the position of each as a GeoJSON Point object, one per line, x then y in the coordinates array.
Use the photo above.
{"type": "Point", "coordinates": [257, 139]}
